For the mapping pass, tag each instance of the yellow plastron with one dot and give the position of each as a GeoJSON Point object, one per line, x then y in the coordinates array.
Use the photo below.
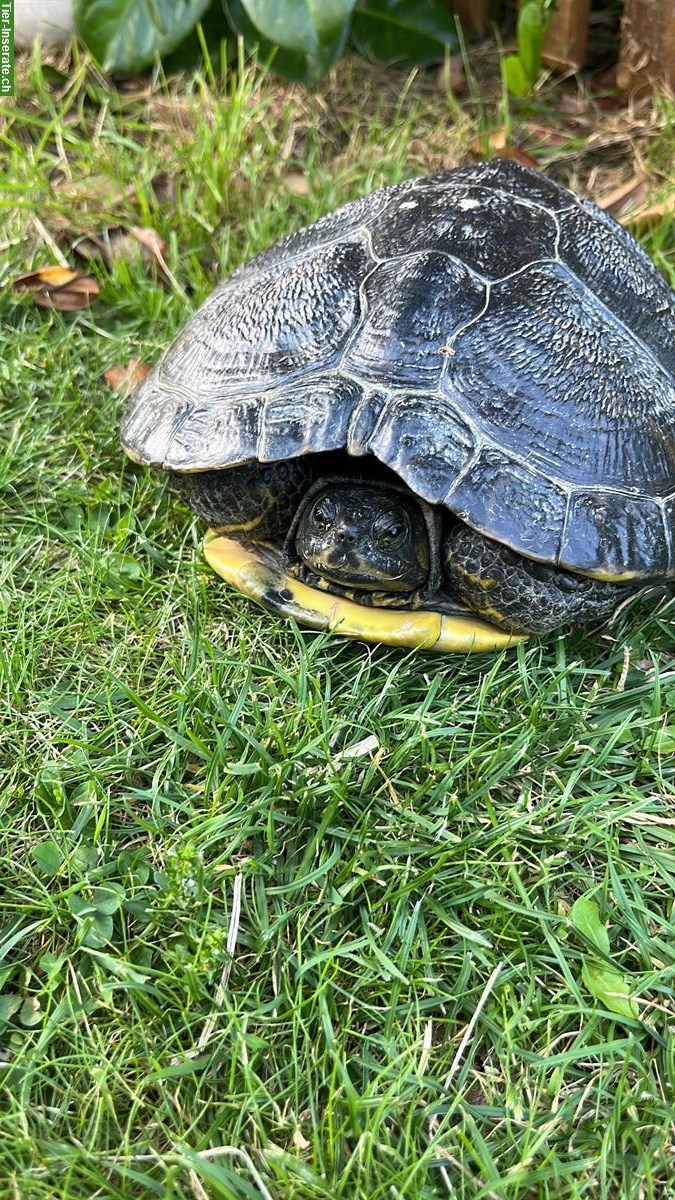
{"type": "Point", "coordinates": [256, 572]}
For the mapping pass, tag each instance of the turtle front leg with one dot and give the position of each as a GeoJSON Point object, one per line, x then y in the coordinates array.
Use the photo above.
{"type": "Point", "coordinates": [521, 595]}
{"type": "Point", "coordinates": [255, 501]}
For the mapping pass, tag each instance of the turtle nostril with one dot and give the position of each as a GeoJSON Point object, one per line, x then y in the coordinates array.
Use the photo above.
{"type": "Point", "coordinates": [346, 535]}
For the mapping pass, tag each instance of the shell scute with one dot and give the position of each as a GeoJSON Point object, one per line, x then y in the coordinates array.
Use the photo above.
{"type": "Point", "coordinates": [310, 416]}
{"type": "Point", "coordinates": [424, 440]}
{"type": "Point", "coordinates": [609, 533]}
{"type": "Point", "coordinates": [512, 179]}
{"type": "Point", "coordinates": [414, 306]}
{"type": "Point", "coordinates": [620, 273]}
{"type": "Point", "coordinates": [500, 492]}
{"type": "Point", "coordinates": [274, 326]}
{"type": "Point", "coordinates": [471, 223]}
{"type": "Point", "coordinates": [551, 376]}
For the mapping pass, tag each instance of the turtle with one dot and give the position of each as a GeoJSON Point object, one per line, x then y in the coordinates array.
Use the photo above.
{"type": "Point", "coordinates": [442, 415]}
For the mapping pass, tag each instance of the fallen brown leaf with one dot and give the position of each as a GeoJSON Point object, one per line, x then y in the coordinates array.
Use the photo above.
{"type": "Point", "coordinates": [59, 287]}
{"type": "Point", "coordinates": [150, 240]}
{"type": "Point", "coordinates": [48, 277]}
{"type": "Point", "coordinates": [125, 379]}
{"type": "Point", "coordinates": [498, 143]}
{"type": "Point", "coordinates": [521, 156]}
{"type": "Point", "coordinates": [110, 246]}
{"type": "Point", "coordinates": [627, 196]}
{"type": "Point", "coordinates": [118, 243]}
{"type": "Point", "coordinates": [643, 218]}
{"type": "Point", "coordinates": [295, 181]}
{"type": "Point", "coordinates": [572, 102]}
{"type": "Point", "coordinates": [546, 135]}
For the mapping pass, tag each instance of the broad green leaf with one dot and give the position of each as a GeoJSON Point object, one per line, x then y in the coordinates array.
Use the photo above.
{"type": "Point", "coordinates": [532, 25]}
{"type": "Point", "coordinates": [303, 26]}
{"type": "Point", "coordinates": [98, 930]}
{"type": "Point", "coordinates": [125, 35]}
{"type": "Point", "coordinates": [291, 64]}
{"type": "Point", "coordinates": [585, 916]}
{"type": "Point", "coordinates": [404, 31]}
{"type": "Point", "coordinates": [516, 79]}
{"type": "Point", "coordinates": [9, 1004]}
{"type": "Point", "coordinates": [108, 899]}
{"type": "Point", "coordinates": [50, 963]}
{"type": "Point", "coordinates": [609, 987]}
{"type": "Point", "coordinates": [31, 1013]}
{"type": "Point", "coordinates": [80, 907]}
{"type": "Point", "coordinates": [212, 34]}
{"type": "Point", "coordinates": [47, 856]}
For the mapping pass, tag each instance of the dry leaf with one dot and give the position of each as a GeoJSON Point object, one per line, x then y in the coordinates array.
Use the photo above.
{"type": "Point", "coordinates": [119, 244]}
{"type": "Point", "coordinates": [495, 143]}
{"type": "Point", "coordinates": [125, 379]}
{"type": "Point", "coordinates": [110, 246]}
{"type": "Point", "coordinates": [625, 197]}
{"type": "Point", "coordinates": [498, 143]}
{"type": "Point", "coordinates": [59, 287]}
{"type": "Point", "coordinates": [546, 135]}
{"type": "Point", "coordinates": [521, 156]}
{"type": "Point", "coordinates": [498, 140]}
{"type": "Point", "coordinates": [296, 182]}
{"type": "Point", "coordinates": [151, 241]}
{"type": "Point", "coordinates": [45, 277]}
{"type": "Point", "coordinates": [643, 218]}
{"type": "Point", "coordinates": [572, 102]}
{"type": "Point", "coordinates": [299, 1140]}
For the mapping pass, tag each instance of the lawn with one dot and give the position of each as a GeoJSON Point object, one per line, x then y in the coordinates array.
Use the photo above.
{"type": "Point", "coordinates": [284, 916]}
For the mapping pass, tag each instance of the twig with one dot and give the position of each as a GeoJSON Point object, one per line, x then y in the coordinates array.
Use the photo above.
{"type": "Point", "coordinates": [472, 1025]}
{"type": "Point", "coordinates": [207, 1031]}
{"type": "Point", "coordinates": [49, 241]}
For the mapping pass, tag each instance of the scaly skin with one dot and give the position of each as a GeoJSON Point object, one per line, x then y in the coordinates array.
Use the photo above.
{"type": "Point", "coordinates": [257, 500]}
{"type": "Point", "coordinates": [521, 595]}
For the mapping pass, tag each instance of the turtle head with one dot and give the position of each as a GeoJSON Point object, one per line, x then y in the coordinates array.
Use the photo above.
{"type": "Point", "coordinates": [363, 535]}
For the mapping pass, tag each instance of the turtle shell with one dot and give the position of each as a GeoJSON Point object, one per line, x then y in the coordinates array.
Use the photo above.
{"type": "Point", "coordinates": [504, 346]}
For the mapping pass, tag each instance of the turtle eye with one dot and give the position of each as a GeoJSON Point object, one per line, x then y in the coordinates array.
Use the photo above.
{"type": "Point", "coordinates": [324, 513]}
{"type": "Point", "coordinates": [390, 529]}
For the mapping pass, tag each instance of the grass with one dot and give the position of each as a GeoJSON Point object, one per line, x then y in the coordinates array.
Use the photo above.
{"type": "Point", "coordinates": [284, 916]}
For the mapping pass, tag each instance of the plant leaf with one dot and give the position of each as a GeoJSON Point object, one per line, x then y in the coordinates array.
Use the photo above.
{"type": "Point", "coordinates": [125, 35]}
{"type": "Point", "coordinates": [585, 916]}
{"type": "Point", "coordinates": [514, 76]}
{"type": "Point", "coordinates": [126, 379]}
{"type": "Point", "coordinates": [31, 1012]}
{"type": "Point", "coordinates": [409, 32]}
{"type": "Point", "coordinates": [290, 64]}
{"type": "Point", "coordinates": [303, 26]}
{"type": "Point", "coordinates": [532, 25]}
{"type": "Point", "coordinates": [48, 857]}
{"type": "Point", "coordinates": [9, 1004]}
{"type": "Point", "coordinates": [609, 987]}
{"type": "Point", "coordinates": [108, 899]}
{"type": "Point", "coordinates": [59, 287]}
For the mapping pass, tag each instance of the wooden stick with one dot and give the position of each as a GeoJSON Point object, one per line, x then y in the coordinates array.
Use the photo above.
{"type": "Point", "coordinates": [647, 46]}
{"type": "Point", "coordinates": [474, 15]}
{"type": "Point", "coordinates": [565, 45]}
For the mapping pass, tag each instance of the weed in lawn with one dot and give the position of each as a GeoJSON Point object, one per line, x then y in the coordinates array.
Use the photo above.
{"type": "Point", "coordinates": [390, 843]}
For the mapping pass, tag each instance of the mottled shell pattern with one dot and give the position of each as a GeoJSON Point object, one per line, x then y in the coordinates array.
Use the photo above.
{"type": "Point", "coordinates": [505, 347]}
